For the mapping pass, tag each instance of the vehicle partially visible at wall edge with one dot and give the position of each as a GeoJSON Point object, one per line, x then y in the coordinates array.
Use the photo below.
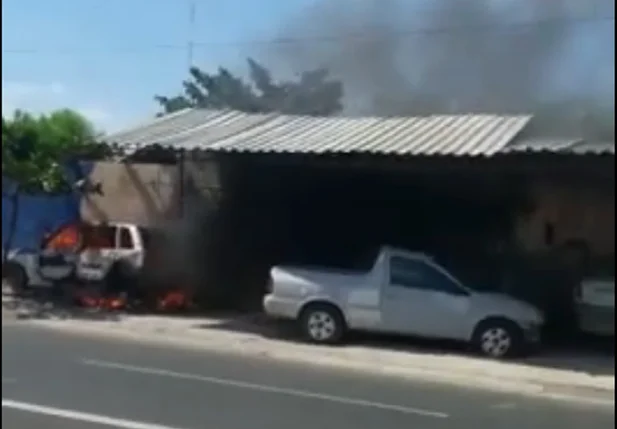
{"type": "Point", "coordinates": [594, 300]}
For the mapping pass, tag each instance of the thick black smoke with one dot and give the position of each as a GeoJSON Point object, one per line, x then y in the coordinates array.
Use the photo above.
{"type": "Point", "coordinates": [554, 58]}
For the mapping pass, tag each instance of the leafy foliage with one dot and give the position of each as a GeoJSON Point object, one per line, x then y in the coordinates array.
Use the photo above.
{"type": "Point", "coordinates": [36, 148]}
{"type": "Point", "coordinates": [312, 94]}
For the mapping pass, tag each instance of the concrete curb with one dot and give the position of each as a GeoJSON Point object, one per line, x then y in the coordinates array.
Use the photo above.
{"type": "Point", "coordinates": [568, 391]}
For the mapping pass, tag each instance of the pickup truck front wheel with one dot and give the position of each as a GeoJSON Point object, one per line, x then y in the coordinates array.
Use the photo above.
{"type": "Point", "coordinates": [498, 338]}
{"type": "Point", "coordinates": [322, 323]}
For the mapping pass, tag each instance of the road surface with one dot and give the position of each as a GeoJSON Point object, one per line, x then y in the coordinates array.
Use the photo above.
{"type": "Point", "coordinates": [58, 381]}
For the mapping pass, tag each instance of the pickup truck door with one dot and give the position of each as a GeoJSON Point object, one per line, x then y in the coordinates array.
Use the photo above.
{"type": "Point", "coordinates": [419, 299]}
{"type": "Point", "coordinates": [129, 246]}
{"type": "Point", "coordinates": [57, 257]}
{"type": "Point", "coordinates": [98, 254]}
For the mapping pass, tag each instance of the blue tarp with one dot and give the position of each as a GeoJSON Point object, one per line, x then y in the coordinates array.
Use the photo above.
{"type": "Point", "coordinates": [40, 213]}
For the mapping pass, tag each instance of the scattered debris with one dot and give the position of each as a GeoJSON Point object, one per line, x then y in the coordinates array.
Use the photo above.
{"type": "Point", "coordinates": [174, 300]}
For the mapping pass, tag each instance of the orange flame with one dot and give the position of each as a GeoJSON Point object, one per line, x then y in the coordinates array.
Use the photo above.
{"type": "Point", "coordinates": [92, 301]}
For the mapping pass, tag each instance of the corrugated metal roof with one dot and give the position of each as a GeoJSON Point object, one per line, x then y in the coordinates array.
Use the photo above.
{"type": "Point", "coordinates": [599, 148]}
{"type": "Point", "coordinates": [172, 127]}
{"type": "Point", "coordinates": [561, 146]}
{"type": "Point", "coordinates": [231, 131]}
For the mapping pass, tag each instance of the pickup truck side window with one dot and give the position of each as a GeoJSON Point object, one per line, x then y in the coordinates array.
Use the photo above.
{"type": "Point", "coordinates": [99, 237]}
{"type": "Point", "coordinates": [414, 274]}
{"type": "Point", "coordinates": [126, 241]}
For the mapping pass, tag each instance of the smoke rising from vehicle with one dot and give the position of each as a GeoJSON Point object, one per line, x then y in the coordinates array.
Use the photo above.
{"type": "Point", "coordinates": [551, 58]}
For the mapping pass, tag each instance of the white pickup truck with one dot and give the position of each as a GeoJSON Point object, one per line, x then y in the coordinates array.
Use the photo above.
{"type": "Point", "coordinates": [594, 301]}
{"type": "Point", "coordinates": [78, 251]}
{"type": "Point", "coordinates": [404, 293]}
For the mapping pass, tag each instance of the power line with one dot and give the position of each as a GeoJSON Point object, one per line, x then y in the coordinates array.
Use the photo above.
{"type": "Point", "coordinates": [547, 24]}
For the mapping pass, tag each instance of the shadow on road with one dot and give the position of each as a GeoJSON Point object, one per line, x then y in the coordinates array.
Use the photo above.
{"type": "Point", "coordinates": [584, 354]}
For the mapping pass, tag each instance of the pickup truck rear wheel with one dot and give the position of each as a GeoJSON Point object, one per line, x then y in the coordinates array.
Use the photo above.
{"type": "Point", "coordinates": [322, 324]}
{"type": "Point", "coordinates": [14, 279]}
{"type": "Point", "coordinates": [498, 338]}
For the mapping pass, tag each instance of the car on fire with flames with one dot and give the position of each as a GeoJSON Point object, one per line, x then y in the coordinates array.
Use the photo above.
{"type": "Point", "coordinates": [78, 252]}
{"type": "Point", "coordinates": [403, 293]}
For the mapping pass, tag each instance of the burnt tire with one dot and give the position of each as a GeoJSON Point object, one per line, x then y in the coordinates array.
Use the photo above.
{"type": "Point", "coordinates": [498, 338]}
{"type": "Point", "coordinates": [14, 279]}
{"type": "Point", "coordinates": [119, 278]}
{"type": "Point", "coordinates": [322, 323]}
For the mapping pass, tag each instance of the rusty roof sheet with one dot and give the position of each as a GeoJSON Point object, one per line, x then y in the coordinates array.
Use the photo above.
{"type": "Point", "coordinates": [232, 131]}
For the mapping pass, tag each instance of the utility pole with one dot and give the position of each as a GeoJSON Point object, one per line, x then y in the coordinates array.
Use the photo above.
{"type": "Point", "coordinates": [191, 42]}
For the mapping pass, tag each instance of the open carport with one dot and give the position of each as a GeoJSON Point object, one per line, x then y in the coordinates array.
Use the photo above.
{"type": "Point", "coordinates": [300, 190]}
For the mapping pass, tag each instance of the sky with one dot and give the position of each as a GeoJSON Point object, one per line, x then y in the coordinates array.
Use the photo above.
{"type": "Point", "coordinates": [108, 58]}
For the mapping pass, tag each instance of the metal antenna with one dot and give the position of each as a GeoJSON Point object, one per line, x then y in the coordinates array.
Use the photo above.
{"type": "Point", "coordinates": [191, 42]}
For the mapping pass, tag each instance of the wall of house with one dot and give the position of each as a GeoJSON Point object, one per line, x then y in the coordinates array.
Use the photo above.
{"type": "Point", "coordinates": [575, 213]}
{"type": "Point", "coordinates": [149, 194]}
{"type": "Point", "coordinates": [145, 194]}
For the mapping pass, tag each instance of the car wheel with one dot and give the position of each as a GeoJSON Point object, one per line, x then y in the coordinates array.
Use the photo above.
{"type": "Point", "coordinates": [322, 323]}
{"type": "Point", "coordinates": [117, 278]}
{"type": "Point", "coordinates": [498, 338]}
{"type": "Point", "coordinates": [14, 279]}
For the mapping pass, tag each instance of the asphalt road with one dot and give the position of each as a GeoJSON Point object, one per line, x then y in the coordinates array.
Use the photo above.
{"type": "Point", "coordinates": [59, 381]}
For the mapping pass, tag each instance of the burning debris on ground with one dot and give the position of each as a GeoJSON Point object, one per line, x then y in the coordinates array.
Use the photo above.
{"type": "Point", "coordinates": [92, 301]}
{"type": "Point", "coordinates": [174, 300]}
{"type": "Point", "coordinates": [169, 300]}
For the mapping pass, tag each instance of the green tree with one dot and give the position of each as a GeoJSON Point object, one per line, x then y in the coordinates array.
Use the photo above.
{"type": "Point", "coordinates": [313, 93]}
{"type": "Point", "coordinates": [35, 150]}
